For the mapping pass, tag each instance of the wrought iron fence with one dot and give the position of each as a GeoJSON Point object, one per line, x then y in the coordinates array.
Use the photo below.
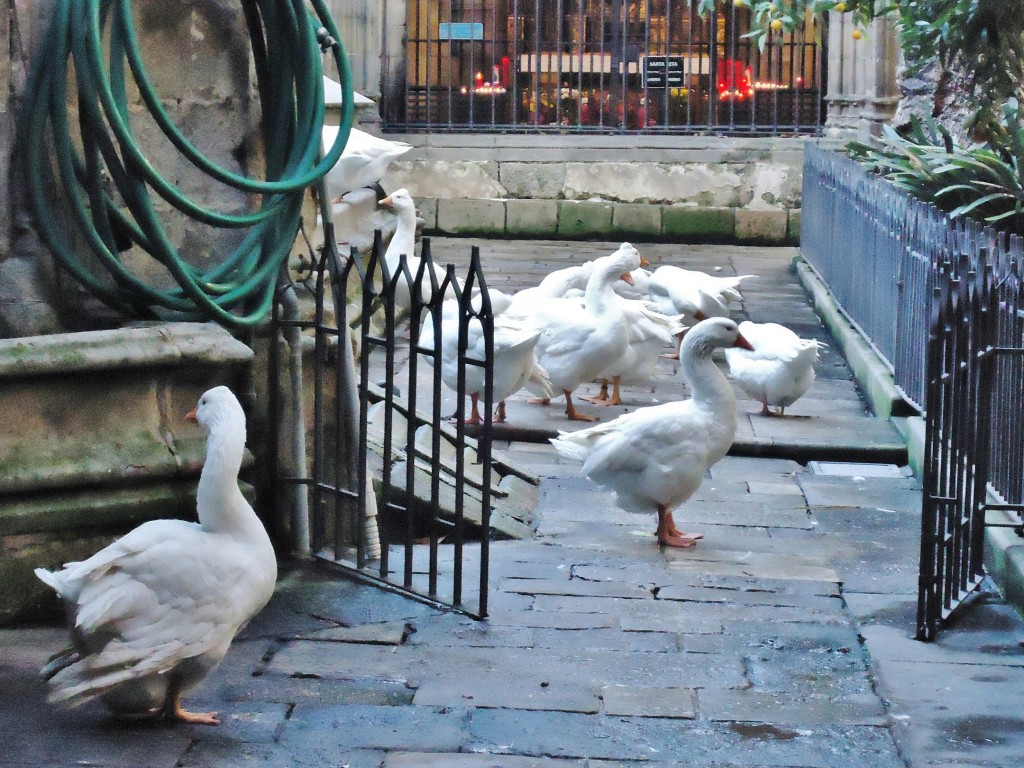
{"type": "Point", "coordinates": [943, 303]}
{"type": "Point", "coordinates": [398, 494]}
{"type": "Point", "coordinates": [601, 66]}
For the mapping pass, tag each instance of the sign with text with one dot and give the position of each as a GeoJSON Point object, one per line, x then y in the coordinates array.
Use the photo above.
{"type": "Point", "coordinates": [664, 71]}
{"type": "Point", "coordinates": [464, 30]}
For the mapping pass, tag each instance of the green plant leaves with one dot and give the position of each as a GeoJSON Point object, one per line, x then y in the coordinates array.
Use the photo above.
{"type": "Point", "coordinates": [983, 181]}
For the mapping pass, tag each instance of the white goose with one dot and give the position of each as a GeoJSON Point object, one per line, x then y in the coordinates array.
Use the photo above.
{"type": "Point", "coordinates": [779, 369]}
{"type": "Point", "coordinates": [514, 362]}
{"type": "Point", "coordinates": [154, 612]}
{"type": "Point", "coordinates": [649, 332]}
{"type": "Point", "coordinates": [695, 295]}
{"type": "Point", "coordinates": [363, 162]}
{"type": "Point", "coordinates": [640, 288]}
{"type": "Point", "coordinates": [656, 457]}
{"type": "Point", "coordinates": [404, 243]}
{"type": "Point", "coordinates": [357, 216]}
{"type": "Point", "coordinates": [577, 342]}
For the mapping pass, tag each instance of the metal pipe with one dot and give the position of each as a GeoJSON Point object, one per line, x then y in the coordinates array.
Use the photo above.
{"type": "Point", "coordinates": [300, 504]}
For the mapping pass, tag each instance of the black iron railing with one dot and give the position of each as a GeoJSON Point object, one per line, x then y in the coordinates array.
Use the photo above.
{"type": "Point", "coordinates": [942, 302]}
{"type": "Point", "coordinates": [600, 66]}
{"type": "Point", "coordinates": [398, 493]}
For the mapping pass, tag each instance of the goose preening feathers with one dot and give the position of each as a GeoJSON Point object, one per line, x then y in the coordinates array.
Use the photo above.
{"type": "Point", "coordinates": [693, 294]}
{"type": "Point", "coordinates": [649, 332]}
{"type": "Point", "coordinates": [356, 216]}
{"type": "Point", "coordinates": [655, 457]}
{"type": "Point", "coordinates": [577, 341]}
{"type": "Point", "coordinates": [778, 370]}
{"type": "Point", "coordinates": [363, 162]}
{"type": "Point", "coordinates": [153, 613]}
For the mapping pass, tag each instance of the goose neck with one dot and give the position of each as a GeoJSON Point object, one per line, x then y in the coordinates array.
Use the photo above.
{"type": "Point", "coordinates": [706, 380]}
{"type": "Point", "coordinates": [599, 293]}
{"type": "Point", "coordinates": [218, 495]}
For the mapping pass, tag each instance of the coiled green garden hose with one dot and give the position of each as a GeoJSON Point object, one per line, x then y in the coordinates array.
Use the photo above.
{"type": "Point", "coordinates": [288, 38]}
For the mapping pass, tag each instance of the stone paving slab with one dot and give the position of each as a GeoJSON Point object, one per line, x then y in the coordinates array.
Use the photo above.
{"type": "Point", "coordinates": [781, 708]}
{"type": "Point", "coordinates": [459, 760]}
{"type": "Point", "coordinates": [629, 701]}
{"type": "Point", "coordinates": [524, 691]}
{"type": "Point", "coordinates": [683, 742]}
{"type": "Point", "coordinates": [756, 566]}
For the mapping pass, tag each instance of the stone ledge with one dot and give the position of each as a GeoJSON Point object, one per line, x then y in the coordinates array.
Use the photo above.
{"type": "Point", "coordinates": [139, 347]}
{"type": "Point", "coordinates": [587, 219]}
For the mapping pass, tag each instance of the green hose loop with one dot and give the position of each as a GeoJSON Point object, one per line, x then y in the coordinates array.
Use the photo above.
{"type": "Point", "coordinates": [106, 184]}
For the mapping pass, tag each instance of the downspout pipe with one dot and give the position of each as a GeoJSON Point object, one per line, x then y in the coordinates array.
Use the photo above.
{"type": "Point", "coordinates": [300, 539]}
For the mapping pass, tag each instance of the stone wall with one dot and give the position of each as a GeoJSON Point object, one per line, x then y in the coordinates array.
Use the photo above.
{"type": "Point", "coordinates": [691, 188]}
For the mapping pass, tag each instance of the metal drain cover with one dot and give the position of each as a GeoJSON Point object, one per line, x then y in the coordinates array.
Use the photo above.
{"type": "Point", "coordinates": [852, 469]}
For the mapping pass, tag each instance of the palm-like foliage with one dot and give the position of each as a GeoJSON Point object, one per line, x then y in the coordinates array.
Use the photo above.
{"type": "Point", "coordinates": [983, 181]}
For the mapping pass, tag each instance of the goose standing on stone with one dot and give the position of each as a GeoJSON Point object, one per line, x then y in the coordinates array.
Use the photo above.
{"type": "Point", "coordinates": [649, 332]}
{"type": "Point", "coordinates": [153, 613]}
{"type": "Point", "coordinates": [778, 370]}
{"type": "Point", "coordinates": [514, 362]}
{"type": "Point", "coordinates": [576, 343]}
{"type": "Point", "coordinates": [655, 457]}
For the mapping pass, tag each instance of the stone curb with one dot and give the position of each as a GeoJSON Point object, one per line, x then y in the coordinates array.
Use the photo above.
{"type": "Point", "coordinates": [606, 219]}
{"type": "Point", "coordinates": [802, 452]}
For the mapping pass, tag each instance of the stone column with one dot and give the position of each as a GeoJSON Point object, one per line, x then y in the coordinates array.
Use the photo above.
{"type": "Point", "coordinates": [25, 300]}
{"type": "Point", "coordinates": [360, 24]}
{"type": "Point", "coordinates": [862, 91]}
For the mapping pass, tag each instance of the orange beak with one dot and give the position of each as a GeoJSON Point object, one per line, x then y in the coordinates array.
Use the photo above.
{"type": "Point", "coordinates": [644, 262]}
{"type": "Point", "coordinates": [628, 279]}
{"type": "Point", "coordinates": [385, 201]}
{"type": "Point", "coordinates": [191, 415]}
{"type": "Point", "coordinates": [742, 343]}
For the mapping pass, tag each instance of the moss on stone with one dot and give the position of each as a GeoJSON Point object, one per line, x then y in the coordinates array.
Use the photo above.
{"type": "Point", "coordinates": [695, 224]}
{"type": "Point", "coordinates": [584, 218]}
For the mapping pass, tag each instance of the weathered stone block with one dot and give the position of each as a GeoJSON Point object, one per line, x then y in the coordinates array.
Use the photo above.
{"type": "Point", "coordinates": [691, 223]}
{"type": "Point", "coordinates": [762, 226]}
{"type": "Point", "coordinates": [532, 180]}
{"type": "Point", "coordinates": [524, 218]}
{"type": "Point", "coordinates": [636, 220]}
{"type": "Point", "coordinates": [584, 218]}
{"type": "Point", "coordinates": [478, 217]}
{"type": "Point", "coordinates": [24, 310]}
{"type": "Point", "coordinates": [445, 179]}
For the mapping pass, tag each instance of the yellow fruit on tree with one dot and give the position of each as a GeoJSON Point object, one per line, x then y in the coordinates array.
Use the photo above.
{"type": "Point", "coordinates": [857, 34]}
{"type": "Point", "coordinates": [840, 7]}
{"type": "Point", "coordinates": [777, 24]}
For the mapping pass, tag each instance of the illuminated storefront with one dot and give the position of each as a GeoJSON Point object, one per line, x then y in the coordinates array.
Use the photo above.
{"type": "Point", "coordinates": [603, 66]}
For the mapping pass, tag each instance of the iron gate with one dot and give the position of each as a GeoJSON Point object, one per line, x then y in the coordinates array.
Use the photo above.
{"type": "Point", "coordinates": [974, 456]}
{"type": "Point", "coordinates": [397, 494]}
{"type": "Point", "coordinates": [600, 66]}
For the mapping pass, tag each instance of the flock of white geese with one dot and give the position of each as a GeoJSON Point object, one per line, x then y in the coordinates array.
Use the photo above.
{"type": "Point", "coordinates": [611, 319]}
{"type": "Point", "coordinates": [153, 613]}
